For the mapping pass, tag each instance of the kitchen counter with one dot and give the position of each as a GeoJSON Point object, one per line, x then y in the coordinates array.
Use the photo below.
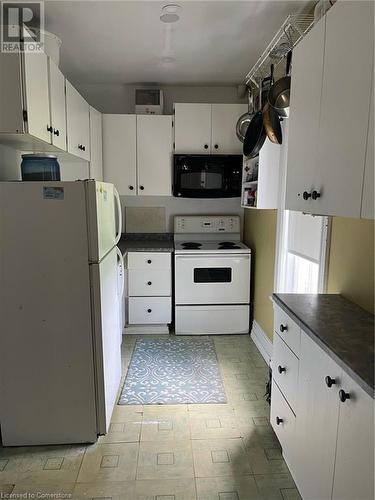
{"type": "Point", "coordinates": [146, 242]}
{"type": "Point", "coordinates": [342, 329]}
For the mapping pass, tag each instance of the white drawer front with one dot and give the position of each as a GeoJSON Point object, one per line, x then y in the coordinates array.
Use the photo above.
{"type": "Point", "coordinates": [149, 260]}
{"type": "Point", "coordinates": [283, 421]}
{"type": "Point", "coordinates": [285, 370]}
{"type": "Point", "coordinates": [149, 310]}
{"type": "Point", "coordinates": [150, 282]}
{"type": "Point", "coordinates": [288, 330]}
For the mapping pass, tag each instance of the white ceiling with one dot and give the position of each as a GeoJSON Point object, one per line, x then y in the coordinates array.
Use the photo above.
{"type": "Point", "coordinates": [214, 42]}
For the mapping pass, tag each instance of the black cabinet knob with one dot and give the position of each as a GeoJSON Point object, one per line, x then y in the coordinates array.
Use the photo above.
{"type": "Point", "coordinates": [149, 283]}
{"type": "Point", "coordinates": [141, 188]}
{"type": "Point", "coordinates": [279, 420]}
{"type": "Point", "coordinates": [216, 146]}
{"type": "Point", "coordinates": [83, 148]}
{"type": "Point", "coordinates": [343, 396]}
{"type": "Point", "coordinates": [149, 261]}
{"type": "Point", "coordinates": [206, 146]}
{"type": "Point", "coordinates": [306, 195]}
{"type": "Point", "coordinates": [330, 381]}
{"type": "Point", "coordinates": [131, 188]}
{"type": "Point", "coordinates": [49, 128]}
{"type": "Point", "coordinates": [149, 310]}
{"type": "Point", "coordinates": [315, 195]}
{"type": "Point", "coordinates": [283, 328]}
{"type": "Point", "coordinates": [56, 131]}
{"type": "Point", "coordinates": [281, 369]}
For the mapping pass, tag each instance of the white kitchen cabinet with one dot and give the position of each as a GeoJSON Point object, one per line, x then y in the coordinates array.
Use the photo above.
{"type": "Point", "coordinates": [154, 155]}
{"type": "Point", "coordinates": [330, 99]}
{"type": "Point", "coordinates": [348, 56]}
{"type": "Point", "coordinates": [150, 310]}
{"type": "Point", "coordinates": [96, 145]}
{"type": "Point", "coordinates": [354, 466]}
{"type": "Point", "coordinates": [316, 422]}
{"type": "Point", "coordinates": [223, 128]}
{"type": "Point", "coordinates": [78, 123]}
{"type": "Point", "coordinates": [192, 128]}
{"type": "Point", "coordinates": [305, 97]}
{"type": "Point", "coordinates": [56, 81]}
{"type": "Point", "coordinates": [120, 152]}
{"type": "Point", "coordinates": [283, 421]}
{"type": "Point", "coordinates": [285, 370]}
{"type": "Point", "coordinates": [367, 209]}
{"type": "Point", "coordinates": [36, 95]}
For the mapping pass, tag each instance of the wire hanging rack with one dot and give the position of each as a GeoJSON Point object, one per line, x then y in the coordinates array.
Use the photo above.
{"type": "Point", "coordinates": [294, 28]}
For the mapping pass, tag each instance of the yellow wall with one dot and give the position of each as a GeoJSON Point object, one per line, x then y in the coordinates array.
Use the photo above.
{"type": "Point", "coordinates": [260, 235]}
{"type": "Point", "coordinates": [351, 261]}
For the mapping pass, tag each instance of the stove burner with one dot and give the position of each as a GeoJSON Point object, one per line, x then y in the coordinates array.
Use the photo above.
{"type": "Point", "coordinates": [191, 245]}
{"type": "Point", "coordinates": [227, 245]}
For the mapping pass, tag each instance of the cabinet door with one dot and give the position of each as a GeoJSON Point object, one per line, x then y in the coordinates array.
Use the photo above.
{"type": "Point", "coordinates": [154, 155]}
{"type": "Point", "coordinates": [316, 423]}
{"type": "Point", "coordinates": [305, 97]}
{"type": "Point", "coordinates": [78, 123]}
{"type": "Point", "coordinates": [345, 102]}
{"type": "Point", "coordinates": [36, 93]}
{"type": "Point", "coordinates": [119, 152]}
{"type": "Point", "coordinates": [96, 146]}
{"type": "Point", "coordinates": [57, 105]}
{"type": "Point", "coordinates": [354, 468]}
{"type": "Point", "coordinates": [192, 128]}
{"type": "Point", "coordinates": [223, 133]}
{"type": "Point", "coordinates": [367, 211]}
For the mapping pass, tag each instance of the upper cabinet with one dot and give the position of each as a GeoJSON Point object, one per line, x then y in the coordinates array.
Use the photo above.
{"type": "Point", "coordinates": [36, 96]}
{"type": "Point", "coordinates": [120, 152]}
{"type": "Point", "coordinates": [56, 81]}
{"type": "Point", "coordinates": [329, 115]}
{"type": "Point", "coordinates": [367, 211]}
{"type": "Point", "coordinates": [78, 123]}
{"type": "Point", "coordinates": [154, 154]}
{"type": "Point", "coordinates": [207, 128]}
{"type": "Point", "coordinates": [137, 153]}
{"type": "Point", "coordinates": [96, 149]}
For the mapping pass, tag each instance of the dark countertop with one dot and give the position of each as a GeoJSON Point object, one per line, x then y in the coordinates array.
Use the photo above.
{"type": "Point", "coordinates": [342, 329]}
{"type": "Point", "coordinates": [146, 242]}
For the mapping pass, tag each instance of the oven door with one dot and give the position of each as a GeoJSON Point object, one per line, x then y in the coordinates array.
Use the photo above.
{"type": "Point", "coordinates": [212, 279]}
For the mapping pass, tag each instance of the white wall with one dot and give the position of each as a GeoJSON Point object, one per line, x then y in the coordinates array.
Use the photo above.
{"type": "Point", "coordinates": [10, 164]}
{"type": "Point", "coordinates": [117, 98]}
{"type": "Point", "coordinates": [184, 206]}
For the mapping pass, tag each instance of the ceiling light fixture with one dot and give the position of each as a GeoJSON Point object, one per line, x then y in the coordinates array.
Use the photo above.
{"type": "Point", "coordinates": [170, 13]}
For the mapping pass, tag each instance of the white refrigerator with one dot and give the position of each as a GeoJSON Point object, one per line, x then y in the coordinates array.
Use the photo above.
{"type": "Point", "coordinates": [60, 337]}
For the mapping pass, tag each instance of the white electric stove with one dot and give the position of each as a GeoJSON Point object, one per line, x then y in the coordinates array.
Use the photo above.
{"type": "Point", "coordinates": [212, 276]}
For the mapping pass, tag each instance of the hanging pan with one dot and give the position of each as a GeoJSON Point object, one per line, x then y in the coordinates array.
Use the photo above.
{"type": "Point", "coordinates": [255, 133]}
{"type": "Point", "coordinates": [271, 119]}
{"type": "Point", "coordinates": [279, 94]}
{"type": "Point", "coordinates": [245, 119]}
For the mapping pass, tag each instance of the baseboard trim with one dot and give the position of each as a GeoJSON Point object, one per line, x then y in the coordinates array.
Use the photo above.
{"type": "Point", "coordinates": [262, 342]}
{"type": "Point", "coordinates": [146, 330]}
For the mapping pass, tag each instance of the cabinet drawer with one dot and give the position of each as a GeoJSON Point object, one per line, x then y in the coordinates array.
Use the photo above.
{"type": "Point", "coordinates": [149, 260]}
{"type": "Point", "coordinates": [146, 282]}
{"type": "Point", "coordinates": [288, 330]}
{"type": "Point", "coordinates": [149, 310]}
{"type": "Point", "coordinates": [285, 370]}
{"type": "Point", "coordinates": [283, 421]}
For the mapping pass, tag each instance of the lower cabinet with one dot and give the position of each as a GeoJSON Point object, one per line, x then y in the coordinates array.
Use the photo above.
{"type": "Point", "coordinates": [328, 436]}
{"type": "Point", "coordinates": [149, 288]}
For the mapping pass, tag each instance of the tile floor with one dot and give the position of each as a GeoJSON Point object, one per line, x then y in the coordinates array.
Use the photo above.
{"type": "Point", "coordinates": [182, 452]}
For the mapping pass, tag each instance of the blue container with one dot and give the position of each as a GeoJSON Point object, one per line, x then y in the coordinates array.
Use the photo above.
{"type": "Point", "coordinates": [40, 167]}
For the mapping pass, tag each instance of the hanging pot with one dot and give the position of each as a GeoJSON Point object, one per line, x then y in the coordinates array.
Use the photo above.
{"type": "Point", "coordinates": [271, 119]}
{"type": "Point", "coordinates": [279, 94]}
{"type": "Point", "coordinates": [255, 133]}
{"type": "Point", "coordinates": [244, 120]}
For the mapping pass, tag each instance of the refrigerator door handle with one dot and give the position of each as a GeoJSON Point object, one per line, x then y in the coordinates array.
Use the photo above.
{"type": "Point", "coordinates": [120, 256]}
{"type": "Point", "coordinates": [119, 215]}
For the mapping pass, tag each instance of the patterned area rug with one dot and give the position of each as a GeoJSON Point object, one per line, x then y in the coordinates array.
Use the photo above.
{"type": "Point", "coordinates": [174, 370]}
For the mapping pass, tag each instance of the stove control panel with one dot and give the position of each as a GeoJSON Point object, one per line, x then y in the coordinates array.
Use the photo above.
{"type": "Point", "coordinates": [207, 224]}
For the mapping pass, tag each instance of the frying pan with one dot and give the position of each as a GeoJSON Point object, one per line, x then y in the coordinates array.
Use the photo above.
{"type": "Point", "coordinates": [271, 120]}
{"type": "Point", "coordinates": [255, 133]}
{"type": "Point", "coordinates": [245, 119]}
{"type": "Point", "coordinates": [279, 94]}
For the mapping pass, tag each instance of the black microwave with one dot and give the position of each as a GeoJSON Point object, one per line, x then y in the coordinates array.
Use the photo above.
{"type": "Point", "coordinates": [207, 176]}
